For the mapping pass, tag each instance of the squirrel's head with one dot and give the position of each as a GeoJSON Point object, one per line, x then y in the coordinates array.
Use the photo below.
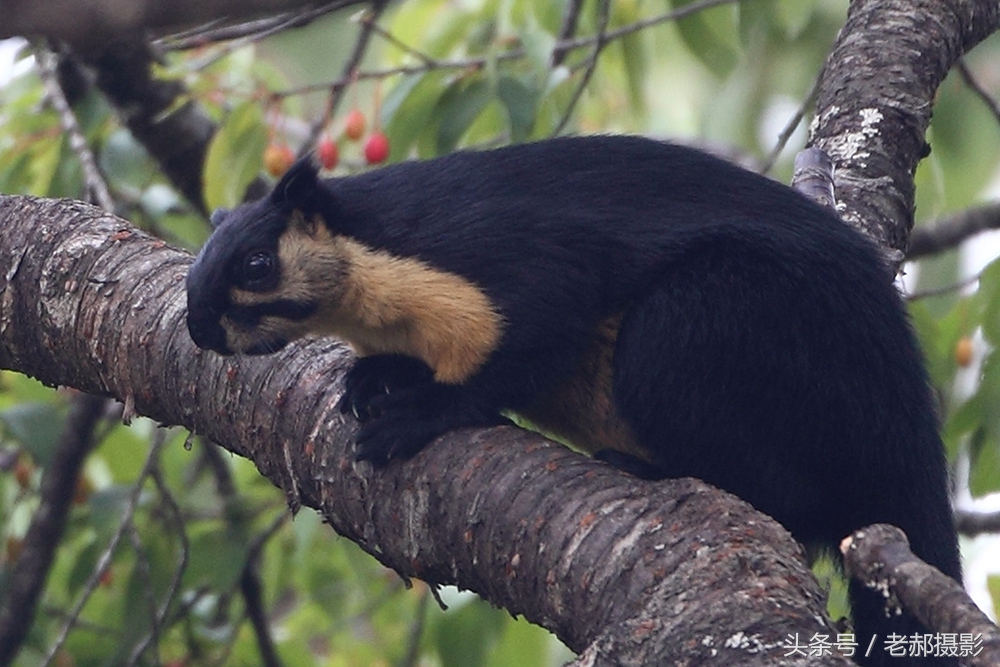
{"type": "Point", "coordinates": [253, 286]}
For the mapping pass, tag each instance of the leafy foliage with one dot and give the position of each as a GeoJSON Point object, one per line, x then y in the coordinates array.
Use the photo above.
{"type": "Point", "coordinates": [163, 531]}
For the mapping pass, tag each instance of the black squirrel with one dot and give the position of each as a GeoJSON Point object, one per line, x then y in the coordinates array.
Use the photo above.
{"type": "Point", "coordinates": [665, 309]}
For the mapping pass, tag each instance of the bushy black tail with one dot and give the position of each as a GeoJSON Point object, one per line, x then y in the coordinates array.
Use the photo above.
{"type": "Point", "coordinates": [794, 382]}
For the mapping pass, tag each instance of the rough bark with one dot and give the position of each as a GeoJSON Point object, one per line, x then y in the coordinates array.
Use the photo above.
{"type": "Point", "coordinates": [630, 572]}
{"type": "Point", "coordinates": [89, 24]}
{"type": "Point", "coordinates": [880, 557]}
{"type": "Point", "coordinates": [875, 98]}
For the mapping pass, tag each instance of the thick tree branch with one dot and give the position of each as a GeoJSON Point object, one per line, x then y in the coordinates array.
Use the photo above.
{"type": "Point", "coordinates": [875, 98]}
{"type": "Point", "coordinates": [631, 572]}
{"type": "Point", "coordinates": [90, 24]}
{"type": "Point", "coordinates": [175, 132]}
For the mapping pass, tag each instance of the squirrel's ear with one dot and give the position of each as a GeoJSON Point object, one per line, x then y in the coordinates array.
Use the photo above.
{"type": "Point", "coordinates": [218, 215]}
{"type": "Point", "coordinates": [298, 186]}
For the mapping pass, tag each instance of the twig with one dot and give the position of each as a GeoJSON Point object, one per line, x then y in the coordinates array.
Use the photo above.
{"type": "Point", "coordinates": [605, 16]}
{"type": "Point", "coordinates": [105, 558]}
{"type": "Point", "coordinates": [28, 574]}
{"type": "Point", "coordinates": [97, 187]}
{"type": "Point", "coordinates": [789, 129]}
{"type": "Point", "coordinates": [403, 46]}
{"type": "Point", "coordinates": [258, 30]}
{"type": "Point", "coordinates": [571, 17]}
{"type": "Point", "coordinates": [251, 31]}
{"type": "Point", "coordinates": [971, 82]}
{"type": "Point", "coordinates": [473, 63]}
{"type": "Point", "coordinates": [337, 88]}
{"type": "Point", "coordinates": [951, 231]}
{"type": "Point", "coordinates": [416, 631]}
{"type": "Point", "coordinates": [624, 31]}
{"type": "Point", "coordinates": [175, 520]}
{"type": "Point", "coordinates": [972, 523]}
{"type": "Point", "coordinates": [249, 581]}
{"type": "Point", "coordinates": [947, 289]}
{"type": "Point", "coordinates": [144, 571]}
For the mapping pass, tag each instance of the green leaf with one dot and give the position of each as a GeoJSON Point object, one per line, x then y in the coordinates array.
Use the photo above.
{"type": "Point", "coordinates": [216, 559]}
{"type": "Point", "coordinates": [984, 474]}
{"type": "Point", "coordinates": [235, 156]}
{"type": "Point", "coordinates": [521, 644]}
{"type": "Point", "coordinates": [107, 506]}
{"type": "Point", "coordinates": [457, 109]}
{"type": "Point", "coordinates": [466, 635]}
{"type": "Point", "coordinates": [993, 584]}
{"type": "Point", "coordinates": [793, 16]}
{"type": "Point", "coordinates": [407, 111]}
{"type": "Point", "coordinates": [520, 99]}
{"type": "Point", "coordinates": [989, 296]}
{"type": "Point", "coordinates": [712, 36]}
{"type": "Point", "coordinates": [125, 163]}
{"type": "Point", "coordinates": [37, 426]}
{"type": "Point", "coordinates": [83, 566]}
{"type": "Point", "coordinates": [46, 156]}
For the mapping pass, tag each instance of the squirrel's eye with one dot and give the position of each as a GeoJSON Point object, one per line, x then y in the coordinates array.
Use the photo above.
{"type": "Point", "coordinates": [257, 266]}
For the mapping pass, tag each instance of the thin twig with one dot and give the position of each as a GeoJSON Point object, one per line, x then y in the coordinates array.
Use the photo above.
{"type": "Point", "coordinates": [249, 581]}
{"type": "Point", "coordinates": [145, 573]}
{"type": "Point", "coordinates": [624, 31]}
{"type": "Point", "coordinates": [473, 63]}
{"type": "Point", "coordinates": [972, 83]}
{"type": "Point", "coordinates": [403, 46]}
{"type": "Point", "coordinates": [175, 521]}
{"type": "Point", "coordinates": [789, 129]}
{"type": "Point", "coordinates": [97, 187]}
{"type": "Point", "coordinates": [605, 16]}
{"type": "Point", "coordinates": [104, 560]}
{"type": "Point", "coordinates": [279, 24]}
{"type": "Point", "coordinates": [214, 32]}
{"type": "Point", "coordinates": [412, 656]}
{"type": "Point", "coordinates": [353, 63]}
{"type": "Point", "coordinates": [947, 289]}
{"type": "Point", "coordinates": [571, 18]}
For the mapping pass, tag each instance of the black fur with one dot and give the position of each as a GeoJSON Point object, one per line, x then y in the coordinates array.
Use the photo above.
{"type": "Point", "coordinates": [762, 347]}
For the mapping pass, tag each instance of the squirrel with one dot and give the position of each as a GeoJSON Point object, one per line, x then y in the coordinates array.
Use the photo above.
{"type": "Point", "coordinates": [662, 308]}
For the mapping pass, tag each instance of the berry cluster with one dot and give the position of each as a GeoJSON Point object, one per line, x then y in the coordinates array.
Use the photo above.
{"type": "Point", "coordinates": [278, 157]}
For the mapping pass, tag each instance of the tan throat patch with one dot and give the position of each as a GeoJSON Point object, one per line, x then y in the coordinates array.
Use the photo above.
{"type": "Point", "coordinates": [379, 302]}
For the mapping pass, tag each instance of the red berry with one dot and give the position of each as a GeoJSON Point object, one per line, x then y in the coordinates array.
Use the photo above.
{"type": "Point", "coordinates": [376, 148]}
{"type": "Point", "coordinates": [277, 159]}
{"type": "Point", "coordinates": [354, 126]}
{"type": "Point", "coordinates": [328, 153]}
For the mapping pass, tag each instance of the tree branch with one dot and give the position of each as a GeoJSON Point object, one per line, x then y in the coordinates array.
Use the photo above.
{"type": "Point", "coordinates": [880, 556]}
{"type": "Point", "coordinates": [875, 98]}
{"type": "Point", "coordinates": [91, 24]}
{"type": "Point", "coordinates": [613, 565]}
{"type": "Point", "coordinates": [28, 574]}
{"type": "Point", "coordinates": [951, 231]}
{"type": "Point", "coordinates": [972, 523]}
{"type": "Point", "coordinates": [175, 132]}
